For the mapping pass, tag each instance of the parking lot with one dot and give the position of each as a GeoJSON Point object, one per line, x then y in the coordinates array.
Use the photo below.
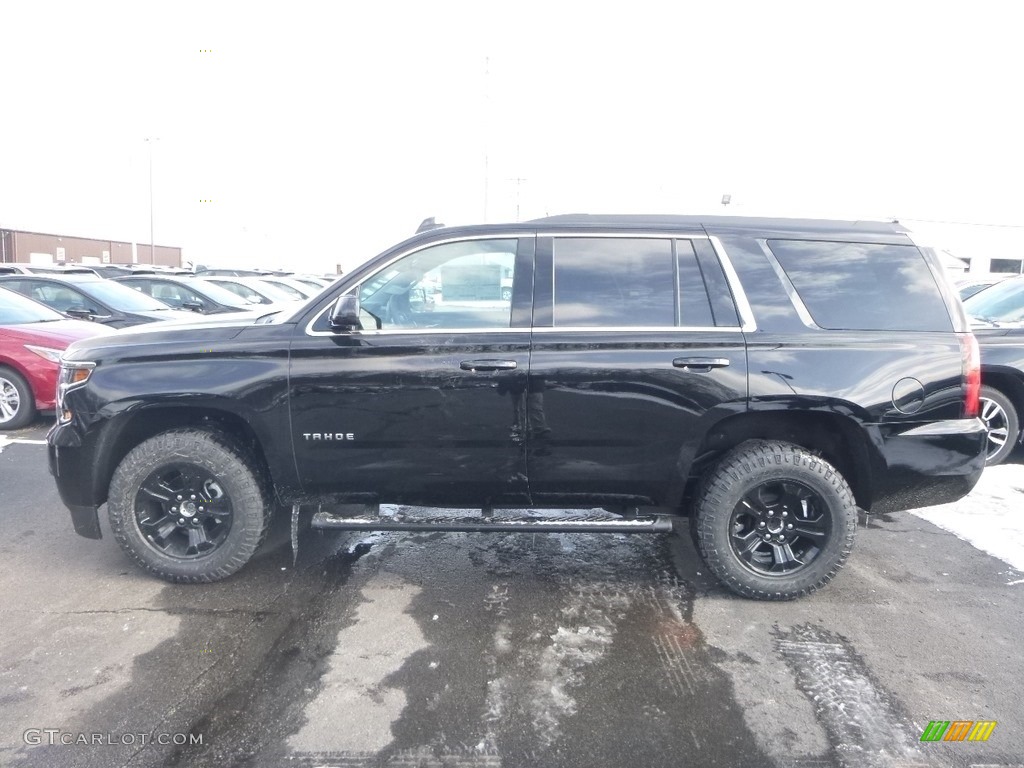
{"type": "Point", "coordinates": [506, 650]}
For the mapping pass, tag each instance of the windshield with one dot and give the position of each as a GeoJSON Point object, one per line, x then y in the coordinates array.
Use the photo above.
{"type": "Point", "coordinates": [292, 291]}
{"type": "Point", "coordinates": [120, 297]}
{"type": "Point", "coordinates": [1003, 302]}
{"type": "Point", "coordinates": [241, 290]}
{"type": "Point", "coordinates": [263, 288]}
{"type": "Point", "coordinates": [15, 309]}
{"type": "Point", "coordinates": [219, 294]}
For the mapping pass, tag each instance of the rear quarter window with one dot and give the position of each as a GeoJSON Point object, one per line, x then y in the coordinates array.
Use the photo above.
{"type": "Point", "coordinates": [864, 286]}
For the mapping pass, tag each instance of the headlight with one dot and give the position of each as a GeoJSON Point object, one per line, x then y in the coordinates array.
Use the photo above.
{"type": "Point", "coordinates": [47, 353]}
{"type": "Point", "coordinates": [72, 375]}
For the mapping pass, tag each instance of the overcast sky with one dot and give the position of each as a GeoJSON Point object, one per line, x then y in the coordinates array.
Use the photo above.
{"type": "Point", "coordinates": [323, 132]}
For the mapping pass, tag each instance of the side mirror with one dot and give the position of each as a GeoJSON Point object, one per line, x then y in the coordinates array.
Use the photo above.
{"type": "Point", "coordinates": [80, 312]}
{"type": "Point", "coordinates": [345, 313]}
{"type": "Point", "coordinates": [195, 306]}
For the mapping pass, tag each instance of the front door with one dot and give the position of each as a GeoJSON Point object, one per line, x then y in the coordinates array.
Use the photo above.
{"type": "Point", "coordinates": [422, 404]}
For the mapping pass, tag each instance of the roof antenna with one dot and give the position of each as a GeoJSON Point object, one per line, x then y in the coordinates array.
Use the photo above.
{"type": "Point", "coordinates": [428, 224]}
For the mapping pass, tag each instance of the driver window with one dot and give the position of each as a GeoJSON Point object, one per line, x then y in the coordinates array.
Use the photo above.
{"type": "Point", "coordinates": [463, 285]}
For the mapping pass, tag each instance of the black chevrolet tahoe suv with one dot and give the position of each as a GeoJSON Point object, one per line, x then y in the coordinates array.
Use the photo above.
{"type": "Point", "coordinates": [764, 378]}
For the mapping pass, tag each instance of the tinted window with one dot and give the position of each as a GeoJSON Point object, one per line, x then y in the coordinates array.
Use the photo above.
{"type": "Point", "coordinates": [1006, 266]}
{"type": "Point", "coordinates": [694, 307]}
{"type": "Point", "coordinates": [52, 295]}
{"type": "Point", "coordinates": [16, 310]}
{"type": "Point", "coordinates": [722, 305]}
{"type": "Point", "coordinates": [864, 286]}
{"type": "Point", "coordinates": [614, 282]}
{"type": "Point", "coordinates": [120, 297]}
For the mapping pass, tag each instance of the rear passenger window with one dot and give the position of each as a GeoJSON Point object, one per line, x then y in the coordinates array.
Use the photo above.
{"type": "Point", "coordinates": [864, 286]}
{"type": "Point", "coordinates": [722, 305]}
{"type": "Point", "coordinates": [614, 282]}
{"type": "Point", "coordinates": [694, 307]}
{"type": "Point", "coordinates": [639, 282]}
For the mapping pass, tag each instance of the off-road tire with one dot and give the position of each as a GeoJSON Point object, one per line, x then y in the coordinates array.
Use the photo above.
{"type": "Point", "coordinates": [742, 470]}
{"type": "Point", "coordinates": [233, 468]}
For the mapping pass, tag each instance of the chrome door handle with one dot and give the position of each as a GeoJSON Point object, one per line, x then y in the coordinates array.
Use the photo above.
{"type": "Point", "coordinates": [488, 365]}
{"type": "Point", "coordinates": [700, 364]}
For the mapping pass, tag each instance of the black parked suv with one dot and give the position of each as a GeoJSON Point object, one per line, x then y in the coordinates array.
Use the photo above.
{"type": "Point", "coordinates": [763, 377]}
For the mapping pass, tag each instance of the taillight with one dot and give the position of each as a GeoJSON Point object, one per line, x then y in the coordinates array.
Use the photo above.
{"type": "Point", "coordinates": [971, 358]}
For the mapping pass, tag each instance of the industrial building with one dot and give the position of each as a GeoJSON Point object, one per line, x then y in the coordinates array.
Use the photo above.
{"type": "Point", "coordinates": [17, 247]}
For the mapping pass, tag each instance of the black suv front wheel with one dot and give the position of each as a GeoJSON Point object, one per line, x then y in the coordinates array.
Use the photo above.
{"type": "Point", "coordinates": [187, 506]}
{"type": "Point", "coordinates": [773, 521]}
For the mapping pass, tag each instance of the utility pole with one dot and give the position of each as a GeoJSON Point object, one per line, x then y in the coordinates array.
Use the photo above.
{"type": "Point", "coordinates": [152, 242]}
{"type": "Point", "coordinates": [487, 130]}
{"type": "Point", "coordinates": [519, 182]}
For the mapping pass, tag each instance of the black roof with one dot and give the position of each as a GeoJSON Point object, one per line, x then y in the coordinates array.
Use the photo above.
{"type": "Point", "coordinates": [638, 221]}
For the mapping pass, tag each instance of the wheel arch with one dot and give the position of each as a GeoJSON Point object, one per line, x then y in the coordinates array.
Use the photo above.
{"type": "Point", "coordinates": [836, 437]}
{"type": "Point", "coordinates": [18, 368]}
{"type": "Point", "coordinates": [141, 423]}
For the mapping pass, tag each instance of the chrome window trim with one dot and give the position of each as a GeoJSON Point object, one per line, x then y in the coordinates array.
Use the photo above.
{"type": "Point", "coordinates": [543, 329]}
{"type": "Point", "coordinates": [794, 297]}
{"type": "Point", "coordinates": [746, 314]}
{"type": "Point", "coordinates": [640, 328]}
{"type": "Point", "coordinates": [419, 332]}
{"type": "Point", "coordinates": [747, 322]}
{"type": "Point", "coordinates": [402, 255]}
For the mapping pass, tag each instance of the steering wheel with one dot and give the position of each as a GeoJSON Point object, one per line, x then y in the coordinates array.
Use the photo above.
{"type": "Point", "coordinates": [399, 313]}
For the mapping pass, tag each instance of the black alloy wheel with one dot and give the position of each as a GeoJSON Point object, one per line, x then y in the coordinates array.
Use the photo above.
{"type": "Point", "coordinates": [779, 527]}
{"type": "Point", "coordinates": [182, 511]}
{"type": "Point", "coordinates": [774, 521]}
{"type": "Point", "coordinates": [188, 505]}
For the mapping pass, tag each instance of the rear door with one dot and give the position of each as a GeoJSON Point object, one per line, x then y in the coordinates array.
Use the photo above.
{"type": "Point", "coordinates": [637, 350]}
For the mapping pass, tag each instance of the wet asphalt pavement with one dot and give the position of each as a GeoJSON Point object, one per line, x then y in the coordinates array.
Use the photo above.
{"type": "Point", "coordinates": [508, 650]}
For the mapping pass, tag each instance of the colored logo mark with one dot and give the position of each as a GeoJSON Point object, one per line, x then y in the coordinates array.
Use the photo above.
{"type": "Point", "coordinates": [958, 730]}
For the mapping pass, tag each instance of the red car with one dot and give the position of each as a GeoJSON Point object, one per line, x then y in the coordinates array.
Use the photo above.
{"type": "Point", "coordinates": [32, 338]}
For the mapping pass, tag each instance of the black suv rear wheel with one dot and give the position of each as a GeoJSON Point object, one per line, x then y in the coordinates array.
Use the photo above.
{"type": "Point", "coordinates": [773, 521]}
{"type": "Point", "coordinates": [187, 506]}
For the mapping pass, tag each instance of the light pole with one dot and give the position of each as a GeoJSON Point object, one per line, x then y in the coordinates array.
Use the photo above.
{"type": "Point", "coordinates": [519, 182]}
{"type": "Point", "coordinates": [152, 243]}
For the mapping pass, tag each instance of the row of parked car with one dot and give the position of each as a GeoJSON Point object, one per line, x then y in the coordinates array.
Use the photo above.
{"type": "Point", "coordinates": [44, 309]}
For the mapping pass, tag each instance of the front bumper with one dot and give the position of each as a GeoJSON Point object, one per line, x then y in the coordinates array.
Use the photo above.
{"type": "Point", "coordinates": [935, 463]}
{"type": "Point", "coordinates": [73, 469]}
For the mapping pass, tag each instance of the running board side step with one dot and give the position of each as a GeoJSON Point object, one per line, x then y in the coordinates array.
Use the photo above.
{"type": "Point", "coordinates": [567, 524]}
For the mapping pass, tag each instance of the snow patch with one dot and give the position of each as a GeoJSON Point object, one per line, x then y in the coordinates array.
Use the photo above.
{"type": "Point", "coordinates": [537, 676]}
{"type": "Point", "coordinates": [991, 517]}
